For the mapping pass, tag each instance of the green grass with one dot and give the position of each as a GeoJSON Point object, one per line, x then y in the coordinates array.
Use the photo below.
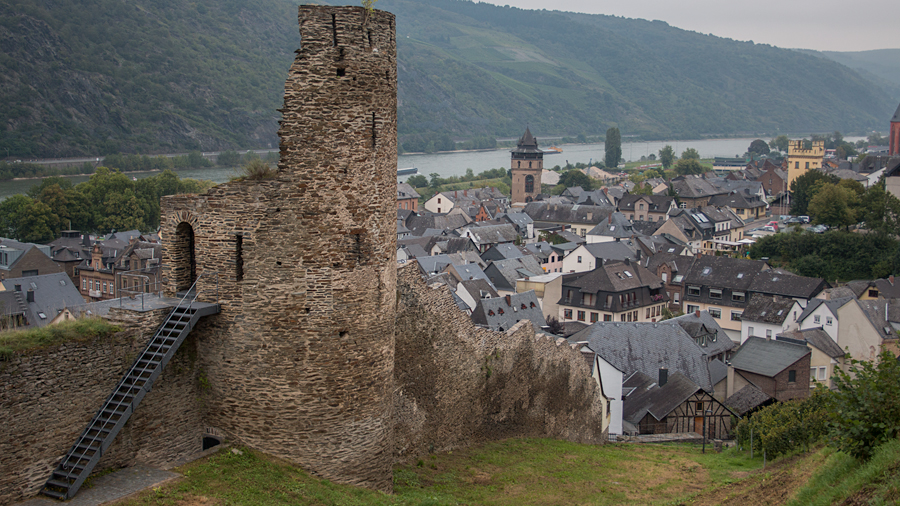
{"type": "Point", "coordinates": [842, 477]}
{"type": "Point", "coordinates": [511, 472]}
{"type": "Point", "coordinates": [12, 342]}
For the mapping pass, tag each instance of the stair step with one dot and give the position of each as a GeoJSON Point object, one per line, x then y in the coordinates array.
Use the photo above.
{"type": "Point", "coordinates": [57, 483]}
{"type": "Point", "coordinates": [68, 475]}
{"type": "Point", "coordinates": [54, 494]}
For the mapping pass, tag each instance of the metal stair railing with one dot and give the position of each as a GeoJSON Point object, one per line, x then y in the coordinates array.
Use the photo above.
{"type": "Point", "coordinates": [80, 460]}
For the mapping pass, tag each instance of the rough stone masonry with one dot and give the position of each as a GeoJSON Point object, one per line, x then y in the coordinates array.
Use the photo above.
{"type": "Point", "coordinates": [302, 364]}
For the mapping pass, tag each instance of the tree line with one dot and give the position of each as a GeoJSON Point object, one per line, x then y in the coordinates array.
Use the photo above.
{"type": "Point", "coordinates": [109, 201]}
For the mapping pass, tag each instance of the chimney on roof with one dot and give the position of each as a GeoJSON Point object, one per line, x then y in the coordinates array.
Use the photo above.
{"type": "Point", "coordinates": [697, 313]}
{"type": "Point", "coordinates": [509, 300]}
{"type": "Point", "coordinates": [627, 261]}
{"type": "Point", "coordinates": [29, 296]}
{"type": "Point", "coordinates": [663, 376]}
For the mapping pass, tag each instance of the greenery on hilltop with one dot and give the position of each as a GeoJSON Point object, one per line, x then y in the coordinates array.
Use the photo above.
{"type": "Point", "coordinates": [105, 76]}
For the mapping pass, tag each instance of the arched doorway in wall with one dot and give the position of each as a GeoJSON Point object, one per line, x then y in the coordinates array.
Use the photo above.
{"type": "Point", "coordinates": [184, 263]}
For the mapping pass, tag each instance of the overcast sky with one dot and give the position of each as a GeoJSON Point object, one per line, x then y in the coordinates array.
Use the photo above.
{"type": "Point", "coordinates": [825, 25]}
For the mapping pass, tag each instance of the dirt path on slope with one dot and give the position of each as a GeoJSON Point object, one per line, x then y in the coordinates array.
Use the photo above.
{"type": "Point", "coordinates": [774, 485]}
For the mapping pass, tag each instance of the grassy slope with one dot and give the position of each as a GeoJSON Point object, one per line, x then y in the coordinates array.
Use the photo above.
{"type": "Point", "coordinates": [512, 472]}
{"type": "Point", "coordinates": [844, 480]}
{"type": "Point", "coordinates": [82, 329]}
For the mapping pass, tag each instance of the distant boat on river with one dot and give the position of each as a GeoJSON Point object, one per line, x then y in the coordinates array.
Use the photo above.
{"type": "Point", "coordinates": [407, 172]}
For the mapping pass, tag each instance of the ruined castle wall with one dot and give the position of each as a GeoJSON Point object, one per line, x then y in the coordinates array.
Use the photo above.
{"type": "Point", "coordinates": [458, 384]}
{"type": "Point", "coordinates": [48, 396]}
{"type": "Point", "coordinates": [300, 362]}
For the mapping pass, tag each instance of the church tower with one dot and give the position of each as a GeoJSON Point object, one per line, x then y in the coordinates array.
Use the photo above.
{"type": "Point", "coordinates": [526, 166]}
{"type": "Point", "coordinates": [895, 134]}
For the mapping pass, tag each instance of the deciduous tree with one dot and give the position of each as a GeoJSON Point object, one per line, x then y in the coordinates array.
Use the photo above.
{"type": "Point", "coordinates": [758, 147]}
{"type": "Point", "coordinates": [687, 166]}
{"type": "Point", "coordinates": [690, 154]}
{"type": "Point", "coordinates": [667, 156]}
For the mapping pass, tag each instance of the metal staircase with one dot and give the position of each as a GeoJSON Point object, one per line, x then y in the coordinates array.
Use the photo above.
{"type": "Point", "coordinates": [78, 463]}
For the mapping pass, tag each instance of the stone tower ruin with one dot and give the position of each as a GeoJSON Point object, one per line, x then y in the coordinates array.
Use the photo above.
{"type": "Point", "coordinates": [299, 364]}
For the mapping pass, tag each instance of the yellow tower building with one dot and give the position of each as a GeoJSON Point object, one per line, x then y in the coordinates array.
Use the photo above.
{"type": "Point", "coordinates": [801, 160]}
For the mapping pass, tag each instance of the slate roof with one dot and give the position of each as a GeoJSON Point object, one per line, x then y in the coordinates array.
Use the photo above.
{"type": "Point", "coordinates": [419, 223]}
{"type": "Point", "coordinates": [767, 358]}
{"type": "Point", "coordinates": [896, 117]}
{"type": "Point", "coordinates": [518, 220]}
{"type": "Point", "coordinates": [833, 305]}
{"type": "Point", "coordinates": [647, 347]}
{"type": "Point", "coordinates": [501, 252]}
{"type": "Point", "coordinates": [478, 288]}
{"type": "Point", "coordinates": [694, 187]}
{"type": "Point", "coordinates": [430, 265]}
{"type": "Point", "coordinates": [656, 203]}
{"type": "Point", "coordinates": [875, 311]}
{"type": "Point", "coordinates": [612, 277]}
{"type": "Point", "coordinates": [501, 313]}
{"type": "Point", "coordinates": [52, 293]}
{"type": "Point", "coordinates": [540, 250]}
{"type": "Point", "coordinates": [817, 338]}
{"type": "Point", "coordinates": [616, 225]}
{"type": "Point", "coordinates": [764, 309]}
{"type": "Point", "coordinates": [645, 227]}
{"type": "Point", "coordinates": [456, 245]}
{"type": "Point", "coordinates": [406, 191]}
{"type": "Point", "coordinates": [493, 234]}
{"type": "Point", "coordinates": [567, 213]}
{"type": "Point", "coordinates": [737, 200]}
{"type": "Point", "coordinates": [616, 250]}
{"type": "Point", "coordinates": [747, 399]}
{"type": "Point", "coordinates": [676, 263]}
{"type": "Point", "coordinates": [527, 143]}
{"type": "Point", "coordinates": [647, 397]}
{"type": "Point", "coordinates": [717, 371]}
{"type": "Point", "coordinates": [703, 325]}
{"type": "Point", "coordinates": [467, 272]}
{"type": "Point", "coordinates": [723, 272]}
{"type": "Point", "coordinates": [504, 273]}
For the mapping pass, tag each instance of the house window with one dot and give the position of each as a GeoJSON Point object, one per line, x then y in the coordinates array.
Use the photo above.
{"type": "Point", "coordinates": [629, 316]}
{"type": "Point", "coordinates": [581, 316]}
{"type": "Point", "coordinates": [567, 314]}
{"type": "Point", "coordinates": [792, 376]}
{"type": "Point", "coordinates": [439, 209]}
{"type": "Point", "coordinates": [665, 277]}
{"type": "Point", "coordinates": [828, 320]}
{"type": "Point", "coordinates": [83, 285]}
{"type": "Point", "coordinates": [750, 331]}
{"type": "Point", "coordinates": [821, 373]}
{"type": "Point", "coordinates": [700, 406]}
{"type": "Point", "coordinates": [439, 200]}
{"type": "Point", "coordinates": [587, 299]}
{"type": "Point", "coordinates": [817, 319]}
{"type": "Point", "coordinates": [738, 296]}
{"type": "Point", "coordinates": [579, 259]}
{"type": "Point", "coordinates": [607, 317]}
{"type": "Point", "coordinates": [796, 165]}
{"type": "Point", "coordinates": [693, 291]}
{"type": "Point", "coordinates": [594, 317]}
{"type": "Point", "coordinates": [622, 317]}
{"type": "Point", "coordinates": [715, 293]}
{"type": "Point", "coordinates": [104, 287]}
{"type": "Point", "coordinates": [873, 293]}
{"type": "Point", "coordinates": [807, 165]}
{"type": "Point", "coordinates": [677, 297]}
{"type": "Point", "coordinates": [768, 333]}
{"type": "Point", "coordinates": [648, 314]}
{"type": "Point", "coordinates": [691, 308]}
{"type": "Point", "coordinates": [568, 296]}
{"type": "Point", "coordinates": [735, 316]}
{"type": "Point", "coordinates": [715, 313]}
{"type": "Point", "coordinates": [608, 301]}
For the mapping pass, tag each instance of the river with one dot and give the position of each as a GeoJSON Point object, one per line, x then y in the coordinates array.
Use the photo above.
{"type": "Point", "coordinates": [456, 163]}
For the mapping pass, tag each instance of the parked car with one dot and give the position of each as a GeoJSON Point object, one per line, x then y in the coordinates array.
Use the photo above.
{"type": "Point", "coordinates": [784, 217]}
{"type": "Point", "coordinates": [804, 219]}
{"type": "Point", "coordinates": [818, 229]}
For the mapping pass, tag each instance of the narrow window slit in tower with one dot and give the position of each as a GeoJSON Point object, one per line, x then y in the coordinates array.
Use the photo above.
{"type": "Point", "coordinates": [334, 30]}
{"type": "Point", "coordinates": [239, 258]}
{"type": "Point", "coordinates": [341, 72]}
{"type": "Point", "coordinates": [370, 37]}
{"type": "Point", "coordinates": [373, 130]}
